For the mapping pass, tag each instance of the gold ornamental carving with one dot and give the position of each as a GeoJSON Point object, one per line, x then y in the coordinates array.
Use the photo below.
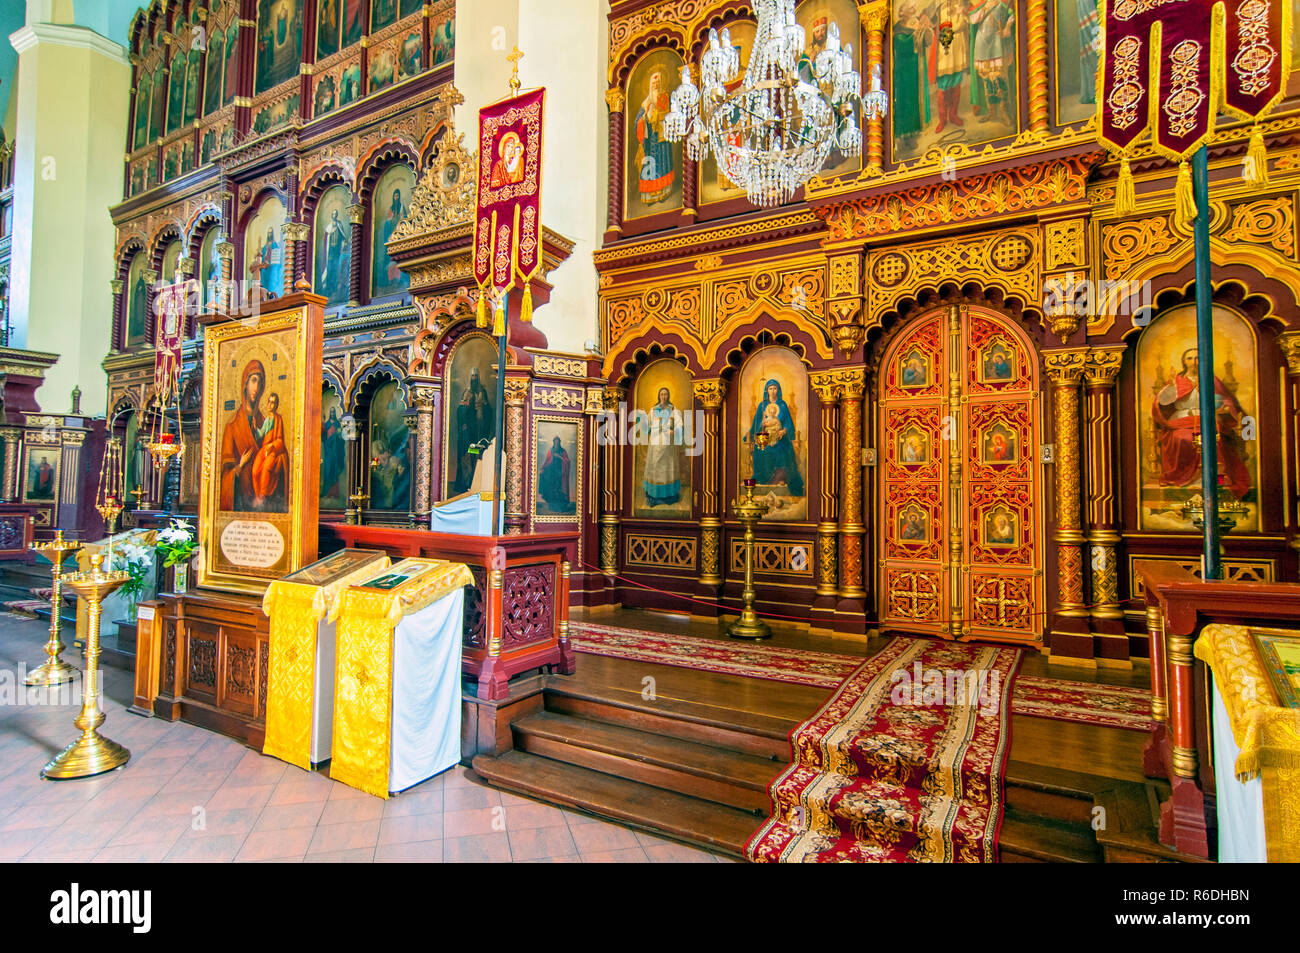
{"type": "Point", "coordinates": [1125, 244]}
{"type": "Point", "coordinates": [545, 364]}
{"type": "Point", "coordinates": [615, 99]}
{"type": "Point", "coordinates": [1008, 260]}
{"type": "Point", "coordinates": [1289, 342]}
{"type": "Point", "coordinates": [1102, 364]}
{"type": "Point", "coordinates": [710, 393]}
{"type": "Point", "coordinates": [516, 390]}
{"type": "Point", "coordinates": [1066, 245]}
{"type": "Point", "coordinates": [558, 398]}
{"type": "Point", "coordinates": [976, 198]}
{"type": "Point", "coordinates": [1269, 222]}
{"type": "Point", "coordinates": [660, 552]}
{"type": "Point", "coordinates": [444, 196]}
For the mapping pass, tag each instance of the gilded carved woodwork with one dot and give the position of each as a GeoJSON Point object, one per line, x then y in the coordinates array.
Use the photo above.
{"type": "Point", "coordinates": [1038, 79]}
{"type": "Point", "coordinates": [659, 552]}
{"type": "Point", "coordinates": [1030, 188]}
{"type": "Point", "coordinates": [1065, 370]}
{"type": "Point", "coordinates": [851, 382]}
{"type": "Point", "coordinates": [779, 556]}
{"type": "Point", "coordinates": [1268, 222]}
{"type": "Point", "coordinates": [1101, 368]}
{"type": "Point", "coordinates": [1009, 261]}
{"type": "Point", "coordinates": [1066, 244]}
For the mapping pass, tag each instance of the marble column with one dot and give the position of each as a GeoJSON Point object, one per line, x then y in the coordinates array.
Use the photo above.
{"type": "Point", "coordinates": [610, 503]}
{"type": "Point", "coordinates": [1065, 371]}
{"type": "Point", "coordinates": [851, 528]}
{"type": "Point", "coordinates": [874, 16]}
{"type": "Point", "coordinates": [1100, 372]}
{"type": "Point", "coordinates": [710, 394]}
{"type": "Point", "coordinates": [356, 216]}
{"type": "Point", "coordinates": [424, 399]}
{"type": "Point", "coordinates": [516, 467]}
{"type": "Point", "coordinates": [828, 392]}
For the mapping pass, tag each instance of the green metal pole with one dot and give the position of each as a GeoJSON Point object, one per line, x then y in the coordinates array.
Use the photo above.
{"type": "Point", "coordinates": [1205, 363]}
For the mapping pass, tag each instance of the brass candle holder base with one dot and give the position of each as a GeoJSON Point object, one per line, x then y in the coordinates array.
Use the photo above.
{"type": "Point", "coordinates": [749, 625]}
{"type": "Point", "coordinates": [91, 753]}
{"type": "Point", "coordinates": [54, 671]}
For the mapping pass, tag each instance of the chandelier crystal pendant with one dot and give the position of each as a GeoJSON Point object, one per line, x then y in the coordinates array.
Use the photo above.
{"type": "Point", "coordinates": [773, 132]}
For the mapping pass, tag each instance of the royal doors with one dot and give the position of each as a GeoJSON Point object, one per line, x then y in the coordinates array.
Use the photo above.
{"type": "Point", "coordinates": [960, 490]}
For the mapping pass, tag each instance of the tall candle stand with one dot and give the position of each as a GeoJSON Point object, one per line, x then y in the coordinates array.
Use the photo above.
{"type": "Point", "coordinates": [749, 511]}
{"type": "Point", "coordinates": [91, 753]}
{"type": "Point", "coordinates": [54, 671]}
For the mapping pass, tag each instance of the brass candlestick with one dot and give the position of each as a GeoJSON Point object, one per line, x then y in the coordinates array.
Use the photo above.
{"type": "Point", "coordinates": [749, 511]}
{"type": "Point", "coordinates": [92, 753]}
{"type": "Point", "coordinates": [138, 493]}
{"type": "Point", "coordinates": [54, 671]}
{"type": "Point", "coordinates": [358, 503]}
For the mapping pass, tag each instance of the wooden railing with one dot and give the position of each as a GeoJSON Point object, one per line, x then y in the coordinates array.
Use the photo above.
{"type": "Point", "coordinates": [1178, 606]}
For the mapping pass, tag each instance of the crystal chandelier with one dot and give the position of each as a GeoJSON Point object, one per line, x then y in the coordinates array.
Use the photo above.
{"type": "Point", "coordinates": [775, 131]}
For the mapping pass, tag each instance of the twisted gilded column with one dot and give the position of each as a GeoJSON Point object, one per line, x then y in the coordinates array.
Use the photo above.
{"type": "Point", "coordinates": [851, 381]}
{"type": "Point", "coordinates": [1100, 371]}
{"type": "Point", "coordinates": [516, 397]}
{"type": "Point", "coordinates": [118, 286]}
{"type": "Point", "coordinates": [424, 398]}
{"type": "Point", "coordinates": [1038, 84]}
{"type": "Point", "coordinates": [1065, 371]}
{"type": "Point", "coordinates": [356, 216]}
{"type": "Point", "coordinates": [296, 235]}
{"type": "Point", "coordinates": [874, 16]}
{"type": "Point", "coordinates": [225, 296]}
{"type": "Point", "coordinates": [11, 437]}
{"type": "Point", "coordinates": [611, 493]}
{"type": "Point", "coordinates": [828, 393]}
{"type": "Point", "coordinates": [1289, 342]}
{"type": "Point", "coordinates": [710, 394]}
{"type": "Point", "coordinates": [615, 99]}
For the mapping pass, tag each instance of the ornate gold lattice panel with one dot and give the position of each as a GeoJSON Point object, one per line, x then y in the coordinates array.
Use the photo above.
{"type": "Point", "coordinates": [775, 556]}
{"type": "Point", "coordinates": [1234, 570]}
{"type": "Point", "coordinates": [1010, 261]}
{"type": "Point", "coordinates": [1268, 222]}
{"type": "Point", "coordinates": [659, 552]}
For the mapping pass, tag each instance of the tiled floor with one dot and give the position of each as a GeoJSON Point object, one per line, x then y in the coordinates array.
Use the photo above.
{"type": "Point", "coordinates": [191, 795]}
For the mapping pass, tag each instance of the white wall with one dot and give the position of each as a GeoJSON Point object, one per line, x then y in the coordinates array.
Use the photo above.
{"type": "Point", "coordinates": [565, 44]}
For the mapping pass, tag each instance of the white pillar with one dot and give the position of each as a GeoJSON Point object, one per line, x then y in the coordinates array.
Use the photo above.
{"type": "Point", "coordinates": [69, 139]}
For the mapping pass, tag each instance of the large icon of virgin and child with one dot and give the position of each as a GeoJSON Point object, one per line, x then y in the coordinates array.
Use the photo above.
{"type": "Point", "coordinates": [774, 440]}
{"type": "Point", "coordinates": [254, 457]}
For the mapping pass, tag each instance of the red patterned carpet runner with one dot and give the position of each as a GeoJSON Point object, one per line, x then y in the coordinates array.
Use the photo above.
{"type": "Point", "coordinates": [1085, 703]}
{"type": "Point", "coordinates": [903, 764]}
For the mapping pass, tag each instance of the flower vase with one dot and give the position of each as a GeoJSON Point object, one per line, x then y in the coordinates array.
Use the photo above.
{"type": "Point", "coordinates": [132, 609]}
{"type": "Point", "coordinates": [181, 582]}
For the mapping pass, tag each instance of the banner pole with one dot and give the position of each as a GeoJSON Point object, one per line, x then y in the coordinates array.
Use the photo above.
{"type": "Point", "coordinates": [500, 422]}
{"type": "Point", "coordinates": [1209, 418]}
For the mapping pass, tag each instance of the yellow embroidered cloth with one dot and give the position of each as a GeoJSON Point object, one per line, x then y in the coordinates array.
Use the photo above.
{"type": "Point", "coordinates": [1267, 734]}
{"type": "Point", "coordinates": [366, 616]}
{"type": "Point", "coordinates": [296, 609]}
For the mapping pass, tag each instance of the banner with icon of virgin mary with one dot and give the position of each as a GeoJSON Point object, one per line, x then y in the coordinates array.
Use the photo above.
{"type": "Point", "coordinates": [171, 306]}
{"type": "Point", "coordinates": [508, 222]}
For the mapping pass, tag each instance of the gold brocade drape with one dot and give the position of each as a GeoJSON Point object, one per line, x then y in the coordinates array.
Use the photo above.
{"type": "Point", "coordinates": [295, 610]}
{"type": "Point", "coordinates": [1267, 734]}
{"type": "Point", "coordinates": [363, 670]}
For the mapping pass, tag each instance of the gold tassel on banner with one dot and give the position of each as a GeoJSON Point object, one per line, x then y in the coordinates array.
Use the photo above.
{"type": "Point", "coordinates": [499, 328]}
{"type": "Point", "coordinates": [1255, 171]}
{"type": "Point", "coordinates": [481, 317]}
{"type": "Point", "coordinates": [1125, 198]}
{"type": "Point", "coordinates": [1184, 199]}
{"type": "Point", "coordinates": [526, 309]}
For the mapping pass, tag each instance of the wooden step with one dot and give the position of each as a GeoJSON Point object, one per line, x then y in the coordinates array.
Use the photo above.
{"type": "Point", "coordinates": [1027, 838]}
{"type": "Point", "coordinates": [688, 819]}
{"type": "Point", "coordinates": [1052, 792]}
{"type": "Point", "coordinates": [715, 774]}
{"type": "Point", "coordinates": [746, 732]}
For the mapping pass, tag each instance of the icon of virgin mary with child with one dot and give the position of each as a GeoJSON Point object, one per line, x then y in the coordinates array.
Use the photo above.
{"type": "Point", "coordinates": [772, 436]}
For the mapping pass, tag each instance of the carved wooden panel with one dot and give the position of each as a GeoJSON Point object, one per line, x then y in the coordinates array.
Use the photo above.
{"type": "Point", "coordinates": [528, 606]}
{"type": "Point", "coordinates": [474, 628]}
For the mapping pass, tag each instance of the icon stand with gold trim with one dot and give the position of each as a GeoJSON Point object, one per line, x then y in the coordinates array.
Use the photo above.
{"type": "Point", "coordinates": [91, 753]}
{"type": "Point", "coordinates": [54, 671]}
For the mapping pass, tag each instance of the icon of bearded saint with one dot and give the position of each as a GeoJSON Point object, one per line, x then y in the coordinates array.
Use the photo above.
{"type": "Point", "coordinates": [509, 167]}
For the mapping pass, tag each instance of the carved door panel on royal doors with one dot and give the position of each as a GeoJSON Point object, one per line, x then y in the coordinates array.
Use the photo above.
{"type": "Point", "coordinates": [960, 490]}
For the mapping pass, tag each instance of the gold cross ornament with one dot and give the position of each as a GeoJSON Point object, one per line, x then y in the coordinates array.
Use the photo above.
{"type": "Point", "coordinates": [514, 57]}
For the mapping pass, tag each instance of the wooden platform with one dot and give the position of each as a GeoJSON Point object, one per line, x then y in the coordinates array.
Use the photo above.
{"type": "Point", "coordinates": [689, 755]}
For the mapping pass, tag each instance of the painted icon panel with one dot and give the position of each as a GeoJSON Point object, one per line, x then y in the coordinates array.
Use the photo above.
{"type": "Point", "coordinates": [773, 424]}
{"type": "Point", "coordinates": [1078, 48]}
{"type": "Point", "coordinates": [471, 409]}
{"type": "Point", "coordinates": [558, 465]}
{"type": "Point", "coordinates": [661, 468]}
{"type": "Point", "coordinates": [264, 245]}
{"type": "Point", "coordinates": [392, 202]}
{"type": "Point", "coordinates": [333, 453]}
{"type": "Point", "coordinates": [1169, 420]}
{"type": "Point", "coordinates": [333, 252]}
{"type": "Point", "coordinates": [954, 74]}
{"type": "Point", "coordinates": [279, 42]}
{"type": "Point", "coordinates": [390, 470]}
{"type": "Point", "coordinates": [654, 165]}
